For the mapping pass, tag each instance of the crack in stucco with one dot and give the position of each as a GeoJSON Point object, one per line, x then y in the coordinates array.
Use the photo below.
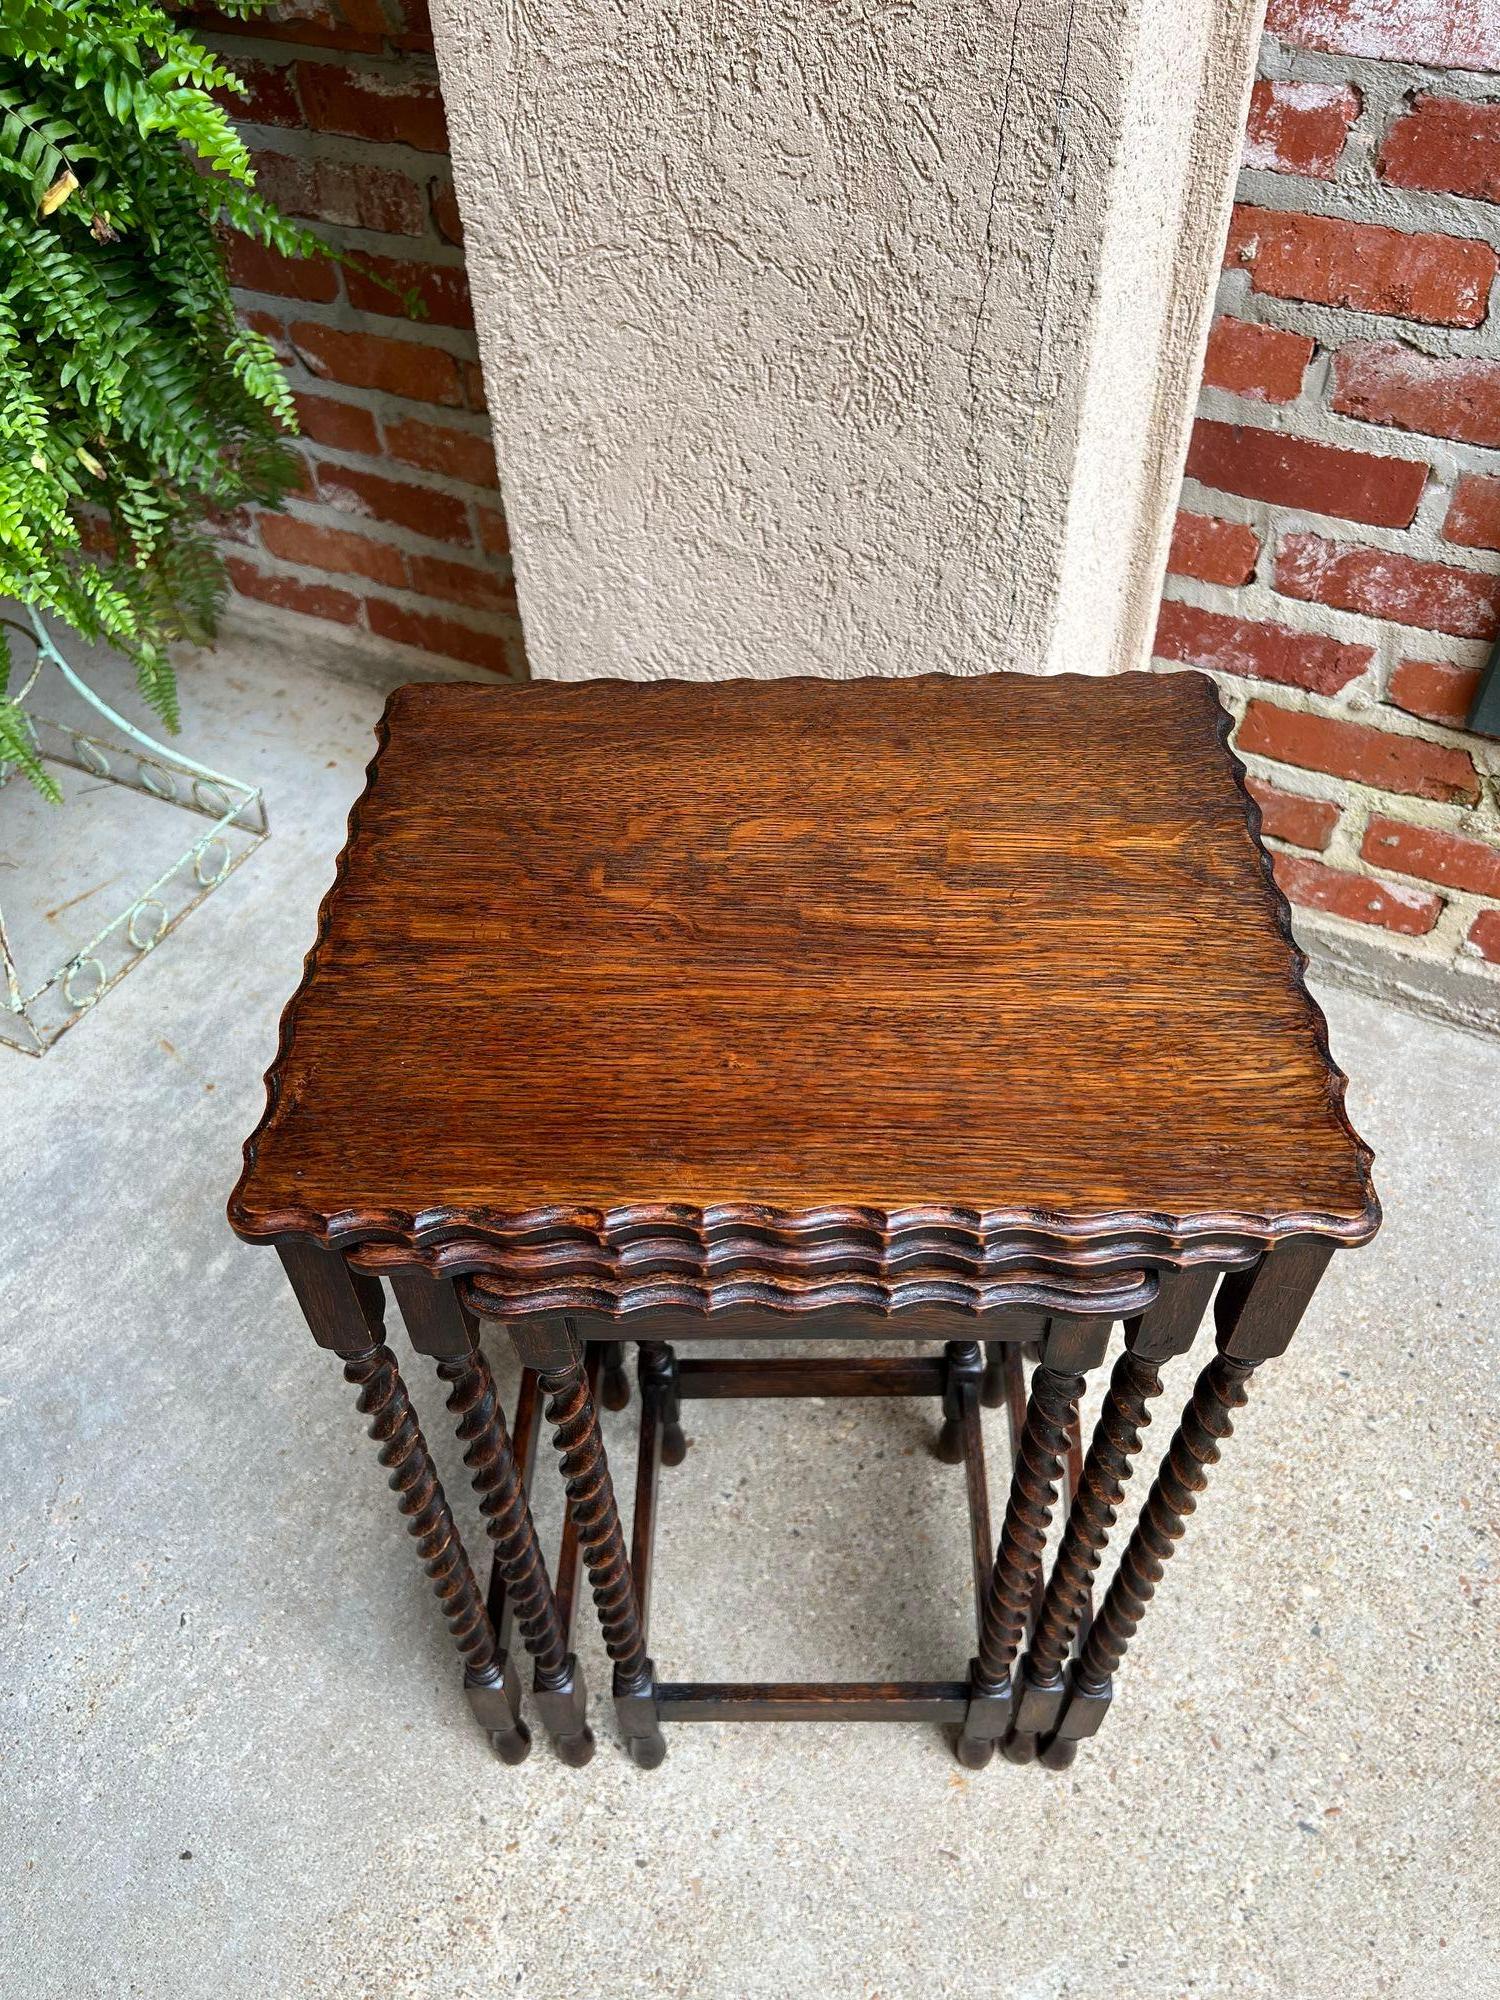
{"type": "Point", "coordinates": [1059, 182]}
{"type": "Point", "coordinates": [971, 366]}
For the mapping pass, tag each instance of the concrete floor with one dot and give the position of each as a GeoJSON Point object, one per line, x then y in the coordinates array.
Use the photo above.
{"type": "Point", "coordinates": [235, 1758]}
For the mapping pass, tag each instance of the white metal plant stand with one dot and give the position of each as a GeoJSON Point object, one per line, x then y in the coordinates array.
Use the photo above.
{"type": "Point", "coordinates": [33, 1019]}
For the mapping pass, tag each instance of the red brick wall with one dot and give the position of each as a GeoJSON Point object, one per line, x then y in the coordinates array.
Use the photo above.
{"type": "Point", "coordinates": [1334, 561]}
{"type": "Point", "coordinates": [398, 531]}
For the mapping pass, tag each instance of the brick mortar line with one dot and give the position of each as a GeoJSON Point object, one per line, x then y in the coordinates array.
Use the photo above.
{"type": "Point", "coordinates": [272, 53]}
{"type": "Point", "coordinates": [1444, 944]}
{"type": "Point", "coordinates": [307, 143]}
{"type": "Point", "coordinates": [487, 624]}
{"type": "Point", "coordinates": [1356, 803]}
{"type": "Point", "coordinates": [1400, 950]}
{"type": "Point", "coordinates": [1257, 602]}
{"type": "Point", "coordinates": [385, 465]}
{"type": "Point", "coordinates": [385, 405]}
{"type": "Point", "coordinates": [344, 394]}
{"type": "Point", "coordinates": [429, 250]}
{"type": "Point", "coordinates": [1369, 712]}
{"type": "Point", "coordinates": [1339, 327]}
{"type": "Point", "coordinates": [358, 640]}
{"type": "Point", "coordinates": [365, 589]}
{"type": "Point", "coordinates": [340, 317]}
{"type": "Point", "coordinates": [1310, 614]}
{"type": "Point", "coordinates": [1384, 716]}
{"type": "Point", "coordinates": [1353, 199]}
{"type": "Point", "coordinates": [1421, 537]}
{"type": "Point", "coordinates": [1459, 907]}
{"type": "Point", "coordinates": [1421, 541]}
{"type": "Point", "coordinates": [1284, 62]}
{"type": "Point", "coordinates": [325, 514]}
{"type": "Point", "coordinates": [1343, 853]}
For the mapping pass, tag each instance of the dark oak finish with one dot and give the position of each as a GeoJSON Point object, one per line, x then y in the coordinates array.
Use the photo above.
{"type": "Point", "coordinates": [1098, 1489]}
{"type": "Point", "coordinates": [596, 1516]}
{"type": "Point", "coordinates": [440, 1325]}
{"type": "Point", "coordinates": [346, 1312]}
{"type": "Point", "coordinates": [869, 1375]}
{"type": "Point", "coordinates": [525, 1430]}
{"type": "Point", "coordinates": [403, 1452]}
{"type": "Point", "coordinates": [813, 1701]}
{"type": "Point", "coordinates": [955, 1010]}
{"type": "Point", "coordinates": [1253, 1314]}
{"type": "Point", "coordinates": [874, 990]}
{"type": "Point", "coordinates": [1028, 1512]}
{"type": "Point", "coordinates": [650, 1702]}
{"type": "Point", "coordinates": [658, 1374]}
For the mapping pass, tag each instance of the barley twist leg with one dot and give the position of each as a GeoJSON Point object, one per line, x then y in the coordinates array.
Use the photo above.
{"type": "Point", "coordinates": [403, 1451]}
{"type": "Point", "coordinates": [1112, 1450]}
{"type": "Point", "coordinates": [1206, 1423]}
{"type": "Point", "coordinates": [591, 1503]}
{"type": "Point", "coordinates": [561, 1694]}
{"type": "Point", "coordinates": [1050, 1412]}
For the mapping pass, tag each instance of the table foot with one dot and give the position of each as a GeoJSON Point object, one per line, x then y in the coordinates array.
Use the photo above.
{"type": "Point", "coordinates": [640, 1719]}
{"type": "Point", "coordinates": [973, 1752]}
{"type": "Point", "coordinates": [561, 1696]}
{"type": "Point", "coordinates": [563, 1704]}
{"type": "Point", "coordinates": [1056, 1753]}
{"type": "Point", "coordinates": [494, 1710]}
{"type": "Point", "coordinates": [986, 1721]}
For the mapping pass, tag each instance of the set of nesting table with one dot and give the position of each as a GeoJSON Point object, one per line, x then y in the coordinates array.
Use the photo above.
{"type": "Point", "coordinates": [960, 1012]}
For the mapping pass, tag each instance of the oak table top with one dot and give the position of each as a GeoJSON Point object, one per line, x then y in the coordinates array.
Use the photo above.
{"type": "Point", "coordinates": [762, 982]}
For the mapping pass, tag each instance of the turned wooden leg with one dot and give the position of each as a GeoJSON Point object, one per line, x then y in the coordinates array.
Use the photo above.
{"type": "Point", "coordinates": [657, 1369]}
{"type": "Point", "coordinates": [558, 1357]}
{"type": "Point", "coordinates": [1256, 1313]}
{"type": "Point", "coordinates": [965, 1372]}
{"type": "Point", "coordinates": [614, 1385]}
{"type": "Point", "coordinates": [1183, 1475]}
{"type": "Point", "coordinates": [1166, 1329]}
{"type": "Point", "coordinates": [1030, 1329]}
{"type": "Point", "coordinates": [440, 1326]}
{"type": "Point", "coordinates": [1056, 1386]}
{"type": "Point", "coordinates": [345, 1312]}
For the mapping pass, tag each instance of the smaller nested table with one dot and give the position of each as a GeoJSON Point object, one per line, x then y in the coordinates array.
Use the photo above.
{"type": "Point", "coordinates": [959, 1012]}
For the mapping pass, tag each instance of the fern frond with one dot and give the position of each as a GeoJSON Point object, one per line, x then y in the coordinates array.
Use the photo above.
{"type": "Point", "coordinates": [36, 143]}
{"type": "Point", "coordinates": [18, 747]}
{"type": "Point", "coordinates": [132, 403]}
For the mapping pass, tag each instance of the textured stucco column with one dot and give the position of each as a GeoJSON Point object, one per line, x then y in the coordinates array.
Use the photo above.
{"type": "Point", "coordinates": [841, 336]}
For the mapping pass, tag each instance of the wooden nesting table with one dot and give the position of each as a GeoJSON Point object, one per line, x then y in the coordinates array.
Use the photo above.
{"type": "Point", "coordinates": [955, 1011]}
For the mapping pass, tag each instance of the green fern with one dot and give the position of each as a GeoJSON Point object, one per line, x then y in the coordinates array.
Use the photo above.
{"type": "Point", "coordinates": [133, 405]}
{"type": "Point", "coordinates": [17, 746]}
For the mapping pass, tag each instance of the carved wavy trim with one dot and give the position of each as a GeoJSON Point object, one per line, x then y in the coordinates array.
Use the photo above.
{"type": "Point", "coordinates": [552, 1250]}
{"type": "Point", "coordinates": [1338, 1082]}
{"type": "Point", "coordinates": [642, 1235]}
{"type": "Point", "coordinates": [1116, 1296]}
{"type": "Point", "coordinates": [240, 1219]}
